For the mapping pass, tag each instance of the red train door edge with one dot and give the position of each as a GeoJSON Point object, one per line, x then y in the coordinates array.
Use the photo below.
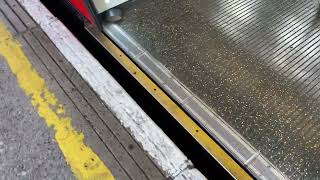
{"type": "Point", "coordinates": [83, 9]}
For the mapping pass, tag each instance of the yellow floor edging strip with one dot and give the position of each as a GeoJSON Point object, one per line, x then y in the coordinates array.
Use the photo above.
{"type": "Point", "coordinates": [201, 136]}
{"type": "Point", "coordinates": [84, 163]}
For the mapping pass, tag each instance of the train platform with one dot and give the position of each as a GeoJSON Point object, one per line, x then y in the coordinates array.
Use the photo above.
{"type": "Point", "coordinates": [60, 120]}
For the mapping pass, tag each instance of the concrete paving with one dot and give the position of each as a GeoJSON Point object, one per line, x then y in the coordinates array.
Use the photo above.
{"type": "Point", "coordinates": [28, 147]}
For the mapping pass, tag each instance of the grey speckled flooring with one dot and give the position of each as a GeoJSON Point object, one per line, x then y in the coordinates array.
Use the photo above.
{"type": "Point", "coordinates": [27, 146]}
{"type": "Point", "coordinates": [255, 62]}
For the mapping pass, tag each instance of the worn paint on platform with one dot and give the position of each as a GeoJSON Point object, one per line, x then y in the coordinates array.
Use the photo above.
{"type": "Point", "coordinates": [152, 139]}
{"type": "Point", "coordinates": [84, 163]}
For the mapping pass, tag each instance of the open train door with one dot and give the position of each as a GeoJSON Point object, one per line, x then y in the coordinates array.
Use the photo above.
{"type": "Point", "coordinates": [95, 10]}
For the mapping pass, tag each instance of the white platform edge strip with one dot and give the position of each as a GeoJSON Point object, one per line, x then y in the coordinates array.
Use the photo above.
{"type": "Point", "coordinates": [159, 147]}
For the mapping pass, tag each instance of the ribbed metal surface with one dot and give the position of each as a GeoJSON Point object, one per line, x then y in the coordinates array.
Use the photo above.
{"type": "Point", "coordinates": [255, 62]}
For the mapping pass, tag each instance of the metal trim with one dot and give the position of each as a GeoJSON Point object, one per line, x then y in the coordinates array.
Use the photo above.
{"type": "Point", "coordinates": [173, 108]}
{"type": "Point", "coordinates": [223, 133]}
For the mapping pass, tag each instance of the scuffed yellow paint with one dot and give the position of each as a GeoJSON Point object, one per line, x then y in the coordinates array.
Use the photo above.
{"type": "Point", "coordinates": [84, 163]}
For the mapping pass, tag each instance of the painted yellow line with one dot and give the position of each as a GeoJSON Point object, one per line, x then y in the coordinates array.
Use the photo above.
{"type": "Point", "coordinates": [84, 163]}
{"type": "Point", "coordinates": [201, 136]}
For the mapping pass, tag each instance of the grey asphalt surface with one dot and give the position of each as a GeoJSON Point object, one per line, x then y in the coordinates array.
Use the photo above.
{"type": "Point", "coordinates": [27, 146]}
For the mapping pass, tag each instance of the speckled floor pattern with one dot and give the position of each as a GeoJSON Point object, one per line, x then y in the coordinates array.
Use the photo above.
{"type": "Point", "coordinates": [255, 62]}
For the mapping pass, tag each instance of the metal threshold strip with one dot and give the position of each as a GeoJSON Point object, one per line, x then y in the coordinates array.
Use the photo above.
{"type": "Point", "coordinates": [251, 158]}
{"type": "Point", "coordinates": [201, 136]}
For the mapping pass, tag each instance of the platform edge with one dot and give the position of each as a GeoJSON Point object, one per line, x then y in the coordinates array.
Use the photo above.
{"type": "Point", "coordinates": [165, 154]}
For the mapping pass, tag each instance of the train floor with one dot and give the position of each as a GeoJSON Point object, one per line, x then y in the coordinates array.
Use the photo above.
{"type": "Point", "coordinates": [253, 63]}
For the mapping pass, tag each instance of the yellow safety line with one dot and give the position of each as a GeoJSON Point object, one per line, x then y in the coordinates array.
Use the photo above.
{"type": "Point", "coordinates": [84, 163]}
{"type": "Point", "coordinates": [201, 136]}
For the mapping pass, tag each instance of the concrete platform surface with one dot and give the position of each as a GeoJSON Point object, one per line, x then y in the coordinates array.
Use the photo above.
{"type": "Point", "coordinates": [53, 125]}
{"type": "Point", "coordinates": [27, 145]}
{"type": "Point", "coordinates": [30, 148]}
